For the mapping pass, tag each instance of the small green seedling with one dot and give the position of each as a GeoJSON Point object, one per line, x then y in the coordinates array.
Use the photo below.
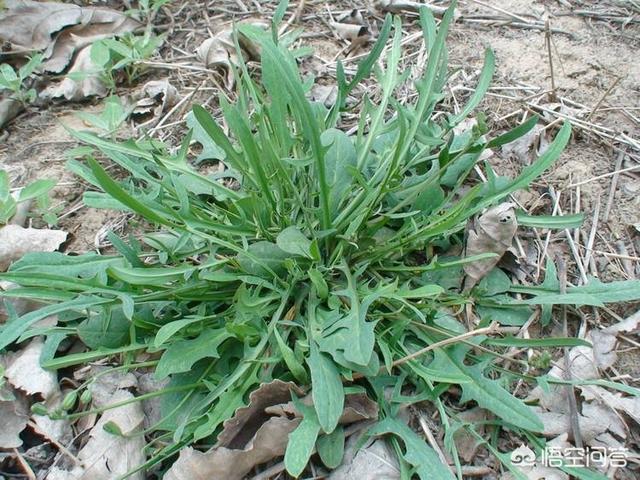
{"type": "Point", "coordinates": [14, 80]}
{"type": "Point", "coordinates": [37, 191]}
{"type": "Point", "coordinates": [114, 114]}
{"type": "Point", "coordinates": [124, 54]}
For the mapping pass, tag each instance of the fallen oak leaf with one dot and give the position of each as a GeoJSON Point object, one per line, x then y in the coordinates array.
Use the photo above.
{"type": "Point", "coordinates": [219, 51]}
{"type": "Point", "coordinates": [82, 80]}
{"type": "Point", "coordinates": [257, 433]}
{"type": "Point", "coordinates": [604, 341]}
{"type": "Point", "coordinates": [245, 422]}
{"type": "Point", "coordinates": [491, 232]}
{"type": "Point", "coordinates": [375, 461]}
{"type": "Point", "coordinates": [269, 442]}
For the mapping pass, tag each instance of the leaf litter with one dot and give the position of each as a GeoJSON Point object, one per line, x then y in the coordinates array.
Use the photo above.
{"type": "Point", "coordinates": [259, 433]}
{"type": "Point", "coordinates": [61, 30]}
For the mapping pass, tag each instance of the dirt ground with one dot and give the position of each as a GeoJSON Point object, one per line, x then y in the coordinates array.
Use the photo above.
{"type": "Point", "coordinates": [590, 46]}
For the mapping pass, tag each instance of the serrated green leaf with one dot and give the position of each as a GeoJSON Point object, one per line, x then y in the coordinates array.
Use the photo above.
{"type": "Point", "coordinates": [417, 453]}
{"type": "Point", "coordinates": [490, 395]}
{"type": "Point", "coordinates": [181, 355]}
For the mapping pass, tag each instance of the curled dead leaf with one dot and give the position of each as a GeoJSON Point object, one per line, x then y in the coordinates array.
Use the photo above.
{"type": "Point", "coordinates": [258, 433]}
{"type": "Point", "coordinates": [492, 232]}
{"type": "Point", "coordinates": [467, 444]}
{"type": "Point", "coordinates": [155, 97]}
{"type": "Point", "coordinates": [9, 109]}
{"type": "Point", "coordinates": [399, 6]}
{"type": "Point", "coordinates": [82, 80]}
{"type": "Point", "coordinates": [528, 147]}
{"type": "Point", "coordinates": [60, 29]}
{"type": "Point", "coordinates": [238, 430]}
{"type": "Point", "coordinates": [219, 52]}
{"type": "Point", "coordinates": [357, 407]}
{"type": "Point", "coordinates": [270, 441]}
{"type": "Point", "coordinates": [15, 241]}
{"type": "Point", "coordinates": [106, 456]}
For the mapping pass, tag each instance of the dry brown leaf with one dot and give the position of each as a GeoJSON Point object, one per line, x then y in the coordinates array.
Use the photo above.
{"type": "Point", "coordinates": [9, 109]}
{"type": "Point", "coordinates": [83, 82]}
{"type": "Point", "coordinates": [147, 383]}
{"type": "Point", "coordinates": [466, 444]}
{"type": "Point", "coordinates": [324, 94]}
{"type": "Point", "coordinates": [105, 386]}
{"type": "Point", "coordinates": [239, 429]}
{"type": "Point", "coordinates": [601, 396]}
{"type": "Point", "coordinates": [25, 373]}
{"type": "Point", "coordinates": [399, 6]}
{"type": "Point", "coordinates": [14, 415]}
{"type": "Point", "coordinates": [270, 441]}
{"type": "Point", "coordinates": [605, 341]}
{"type": "Point", "coordinates": [219, 52]}
{"type": "Point", "coordinates": [58, 28]}
{"type": "Point", "coordinates": [595, 421]}
{"type": "Point", "coordinates": [376, 461]}
{"type": "Point", "coordinates": [585, 363]}
{"type": "Point", "coordinates": [15, 241]}
{"type": "Point", "coordinates": [528, 147]}
{"type": "Point", "coordinates": [257, 433]}
{"type": "Point", "coordinates": [156, 96]}
{"type": "Point", "coordinates": [106, 456]}
{"type": "Point", "coordinates": [216, 53]}
{"type": "Point", "coordinates": [251, 437]}
{"type": "Point", "coordinates": [492, 232]}
{"type": "Point", "coordinates": [357, 407]}
{"type": "Point", "coordinates": [357, 34]}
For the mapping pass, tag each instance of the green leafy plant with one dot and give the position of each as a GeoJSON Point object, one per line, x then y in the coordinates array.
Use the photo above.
{"type": "Point", "coordinates": [148, 9]}
{"type": "Point", "coordinates": [315, 257]}
{"type": "Point", "coordinates": [114, 114]}
{"type": "Point", "coordinates": [37, 191]}
{"type": "Point", "coordinates": [14, 80]}
{"type": "Point", "coordinates": [125, 54]}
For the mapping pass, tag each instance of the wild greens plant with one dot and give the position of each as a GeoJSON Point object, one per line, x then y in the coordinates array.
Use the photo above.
{"type": "Point", "coordinates": [15, 81]}
{"type": "Point", "coordinates": [37, 191]}
{"type": "Point", "coordinates": [125, 55]}
{"type": "Point", "coordinates": [315, 257]}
